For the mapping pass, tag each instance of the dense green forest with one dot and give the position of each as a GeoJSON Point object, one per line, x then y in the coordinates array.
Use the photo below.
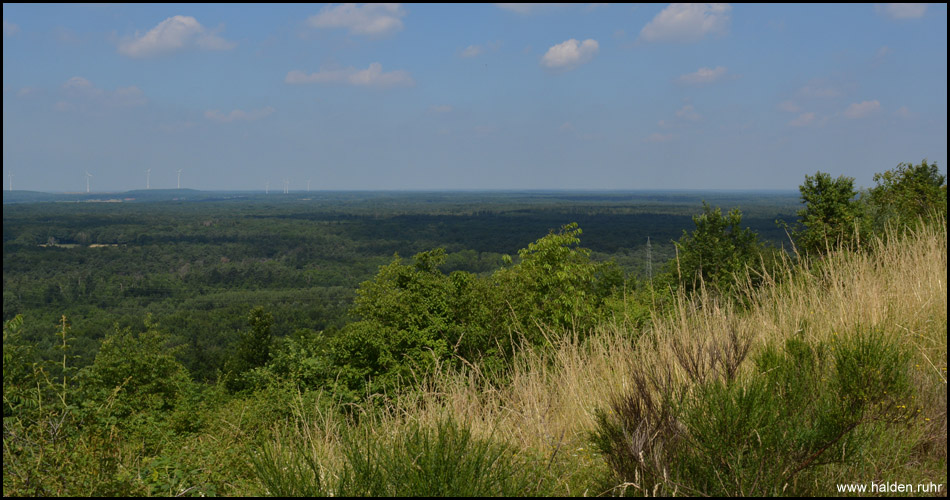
{"type": "Point", "coordinates": [198, 264]}
{"type": "Point", "coordinates": [478, 343]}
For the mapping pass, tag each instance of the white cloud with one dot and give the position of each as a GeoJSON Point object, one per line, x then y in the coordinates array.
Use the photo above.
{"type": "Point", "coordinates": [862, 109]}
{"type": "Point", "coordinates": [903, 112]}
{"type": "Point", "coordinates": [901, 10]}
{"type": "Point", "coordinates": [238, 115]}
{"type": "Point", "coordinates": [682, 22]}
{"type": "Point", "coordinates": [375, 19]}
{"type": "Point", "coordinates": [816, 90]}
{"type": "Point", "coordinates": [10, 29]}
{"type": "Point", "coordinates": [80, 84]}
{"type": "Point", "coordinates": [173, 35]}
{"type": "Point", "coordinates": [803, 119]}
{"type": "Point", "coordinates": [688, 112]}
{"type": "Point", "coordinates": [371, 77]}
{"type": "Point", "coordinates": [703, 75]}
{"type": "Point", "coordinates": [471, 51]}
{"type": "Point", "coordinates": [523, 8]}
{"type": "Point", "coordinates": [789, 106]}
{"type": "Point", "coordinates": [570, 54]}
{"type": "Point", "coordinates": [80, 93]}
{"type": "Point", "coordinates": [658, 137]}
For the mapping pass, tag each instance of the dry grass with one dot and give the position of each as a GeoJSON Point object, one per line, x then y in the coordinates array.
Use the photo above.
{"type": "Point", "coordinates": [548, 408]}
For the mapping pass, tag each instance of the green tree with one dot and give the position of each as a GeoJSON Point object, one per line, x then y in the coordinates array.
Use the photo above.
{"type": "Point", "coordinates": [906, 193]}
{"type": "Point", "coordinates": [138, 371]}
{"type": "Point", "coordinates": [555, 286]}
{"type": "Point", "coordinates": [411, 317]}
{"type": "Point", "coordinates": [717, 252]}
{"type": "Point", "coordinates": [832, 214]}
{"type": "Point", "coordinates": [252, 350]}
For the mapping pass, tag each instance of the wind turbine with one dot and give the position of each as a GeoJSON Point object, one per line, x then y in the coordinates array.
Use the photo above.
{"type": "Point", "coordinates": [11, 180]}
{"type": "Point", "coordinates": [267, 187]}
{"type": "Point", "coordinates": [88, 175]}
{"type": "Point", "coordinates": [286, 185]}
{"type": "Point", "coordinates": [179, 177]}
{"type": "Point", "coordinates": [148, 172]}
{"type": "Point", "coordinates": [308, 185]}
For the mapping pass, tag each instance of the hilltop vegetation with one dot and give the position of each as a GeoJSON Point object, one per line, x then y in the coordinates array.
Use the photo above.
{"type": "Point", "coordinates": [737, 368]}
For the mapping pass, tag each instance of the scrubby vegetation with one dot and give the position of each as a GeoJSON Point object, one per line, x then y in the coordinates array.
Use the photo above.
{"type": "Point", "coordinates": [739, 369]}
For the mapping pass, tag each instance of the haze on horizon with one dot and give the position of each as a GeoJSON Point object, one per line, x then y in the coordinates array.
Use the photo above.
{"type": "Point", "coordinates": [484, 96]}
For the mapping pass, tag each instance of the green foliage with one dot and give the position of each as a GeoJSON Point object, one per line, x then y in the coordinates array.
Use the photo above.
{"type": "Point", "coordinates": [718, 253]}
{"type": "Point", "coordinates": [445, 461]}
{"type": "Point", "coordinates": [252, 350]}
{"type": "Point", "coordinates": [47, 448]}
{"type": "Point", "coordinates": [906, 193]}
{"type": "Point", "coordinates": [137, 372]}
{"type": "Point", "coordinates": [414, 318]}
{"type": "Point", "coordinates": [832, 214]}
{"type": "Point", "coordinates": [803, 407]}
{"type": "Point", "coordinates": [556, 286]}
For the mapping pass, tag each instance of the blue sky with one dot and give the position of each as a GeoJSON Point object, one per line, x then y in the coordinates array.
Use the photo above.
{"type": "Point", "coordinates": [484, 96]}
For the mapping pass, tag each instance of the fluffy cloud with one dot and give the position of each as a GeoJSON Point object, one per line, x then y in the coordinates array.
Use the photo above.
{"type": "Point", "coordinates": [523, 8]}
{"type": "Point", "coordinates": [173, 35]}
{"type": "Point", "coordinates": [901, 10]}
{"type": "Point", "coordinates": [658, 137]}
{"type": "Point", "coordinates": [703, 75]}
{"type": "Point", "coordinates": [10, 29]}
{"type": "Point", "coordinates": [789, 106]}
{"type": "Point", "coordinates": [681, 22]}
{"type": "Point", "coordinates": [471, 51]}
{"type": "Point", "coordinates": [688, 112]}
{"type": "Point", "coordinates": [370, 77]}
{"type": "Point", "coordinates": [813, 90]}
{"type": "Point", "coordinates": [862, 109]}
{"type": "Point", "coordinates": [803, 119]}
{"type": "Point", "coordinates": [369, 19]}
{"type": "Point", "coordinates": [570, 54]}
{"type": "Point", "coordinates": [238, 115]}
{"type": "Point", "coordinates": [80, 93]}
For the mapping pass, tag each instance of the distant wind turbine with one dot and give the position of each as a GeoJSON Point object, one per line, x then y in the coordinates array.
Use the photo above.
{"type": "Point", "coordinates": [179, 177]}
{"type": "Point", "coordinates": [286, 185]}
{"type": "Point", "coordinates": [11, 180]}
{"type": "Point", "coordinates": [88, 175]}
{"type": "Point", "coordinates": [308, 185]}
{"type": "Point", "coordinates": [267, 187]}
{"type": "Point", "coordinates": [148, 172]}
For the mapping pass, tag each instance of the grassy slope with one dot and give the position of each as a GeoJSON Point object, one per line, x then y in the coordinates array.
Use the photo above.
{"type": "Point", "coordinates": [899, 286]}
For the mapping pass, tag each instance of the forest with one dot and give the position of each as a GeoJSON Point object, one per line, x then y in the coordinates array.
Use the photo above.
{"type": "Point", "coordinates": [477, 343]}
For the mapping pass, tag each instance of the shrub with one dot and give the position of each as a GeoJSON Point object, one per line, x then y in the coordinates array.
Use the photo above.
{"type": "Point", "coordinates": [906, 193]}
{"type": "Point", "coordinates": [804, 406]}
{"type": "Point", "coordinates": [832, 214]}
{"type": "Point", "coordinates": [718, 252]}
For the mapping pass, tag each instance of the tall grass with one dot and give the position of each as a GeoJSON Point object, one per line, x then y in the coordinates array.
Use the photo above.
{"type": "Point", "coordinates": [551, 404]}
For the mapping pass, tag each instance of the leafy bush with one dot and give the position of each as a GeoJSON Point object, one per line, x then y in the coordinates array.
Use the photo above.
{"type": "Point", "coordinates": [252, 350]}
{"type": "Point", "coordinates": [555, 285]}
{"type": "Point", "coordinates": [906, 193]}
{"type": "Point", "coordinates": [832, 214]}
{"type": "Point", "coordinates": [802, 407]}
{"type": "Point", "coordinates": [717, 253]}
